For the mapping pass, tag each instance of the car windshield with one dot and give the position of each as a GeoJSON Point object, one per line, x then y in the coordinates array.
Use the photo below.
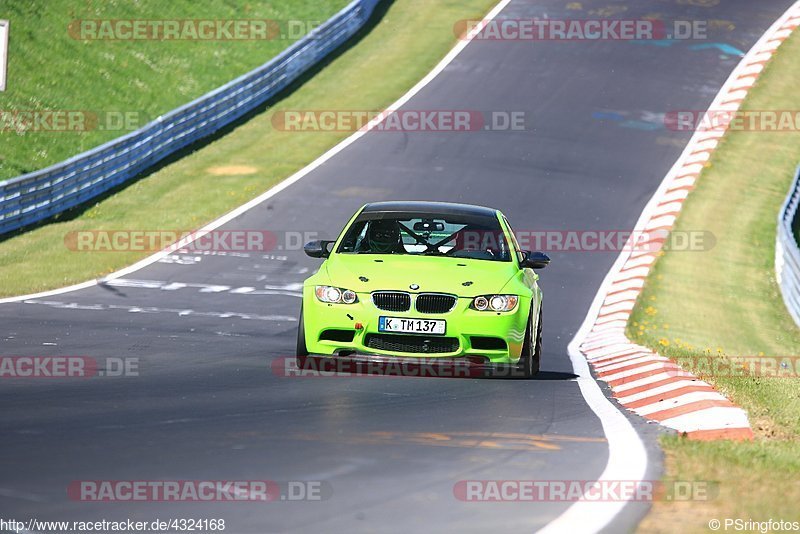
{"type": "Point", "coordinates": [479, 238]}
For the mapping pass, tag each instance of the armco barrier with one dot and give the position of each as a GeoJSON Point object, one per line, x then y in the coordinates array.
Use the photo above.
{"type": "Point", "coordinates": [787, 253]}
{"type": "Point", "coordinates": [38, 195]}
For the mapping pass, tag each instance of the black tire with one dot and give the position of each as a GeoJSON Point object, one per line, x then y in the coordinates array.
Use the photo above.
{"type": "Point", "coordinates": [531, 349]}
{"type": "Point", "coordinates": [302, 351]}
{"type": "Point", "coordinates": [537, 353]}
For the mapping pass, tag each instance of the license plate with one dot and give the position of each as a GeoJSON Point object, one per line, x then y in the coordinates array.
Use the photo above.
{"type": "Point", "coordinates": [411, 326]}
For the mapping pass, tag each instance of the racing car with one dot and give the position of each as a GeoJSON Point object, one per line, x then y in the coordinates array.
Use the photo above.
{"type": "Point", "coordinates": [428, 281]}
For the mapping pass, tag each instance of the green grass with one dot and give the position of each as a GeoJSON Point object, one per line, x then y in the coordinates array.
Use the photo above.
{"type": "Point", "coordinates": [726, 302]}
{"type": "Point", "coordinates": [405, 45]}
{"type": "Point", "coordinates": [756, 480]}
{"type": "Point", "coordinates": [50, 70]}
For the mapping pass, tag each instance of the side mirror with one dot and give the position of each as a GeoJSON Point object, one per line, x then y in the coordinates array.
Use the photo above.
{"type": "Point", "coordinates": [318, 249]}
{"type": "Point", "coordinates": [535, 260]}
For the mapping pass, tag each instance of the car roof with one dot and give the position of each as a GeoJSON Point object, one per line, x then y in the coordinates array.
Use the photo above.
{"type": "Point", "coordinates": [442, 208]}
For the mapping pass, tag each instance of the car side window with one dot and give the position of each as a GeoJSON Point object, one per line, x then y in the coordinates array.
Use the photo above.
{"type": "Point", "coordinates": [515, 244]}
{"type": "Point", "coordinates": [354, 238]}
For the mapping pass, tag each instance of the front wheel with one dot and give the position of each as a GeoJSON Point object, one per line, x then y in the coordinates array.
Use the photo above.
{"type": "Point", "coordinates": [532, 348]}
{"type": "Point", "coordinates": [302, 351]}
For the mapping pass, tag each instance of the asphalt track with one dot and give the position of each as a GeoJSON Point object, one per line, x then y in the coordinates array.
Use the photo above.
{"type": "Point", "coordinates": [206, 404]}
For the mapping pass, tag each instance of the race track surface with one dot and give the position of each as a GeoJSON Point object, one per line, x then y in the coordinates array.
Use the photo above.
{"type": "Point", "coordinates": [208, 406]}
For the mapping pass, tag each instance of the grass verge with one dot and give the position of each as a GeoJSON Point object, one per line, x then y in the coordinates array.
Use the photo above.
{"type": "Point", "coordinates": [408, 41]}
{"type": "Point", "coordinates": [726, 302]}
{"type": "Point", "coordinates": [53, 66]}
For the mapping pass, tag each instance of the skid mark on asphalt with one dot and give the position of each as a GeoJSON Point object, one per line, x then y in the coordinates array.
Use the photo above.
{"type": "Point", "coordinates": [182, 312]}
{"type": "Point", "coordinates": [186, 256]}
{"type": "Point", "coordinates": [265, 271]}
{"type": "Point", "coordinates": [503, 441]}
{"type": "Point", "coordinates": [291, 289]}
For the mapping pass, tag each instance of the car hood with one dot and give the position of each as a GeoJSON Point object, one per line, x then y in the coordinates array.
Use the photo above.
{"type": "Point", "coordinates": [430, 273]}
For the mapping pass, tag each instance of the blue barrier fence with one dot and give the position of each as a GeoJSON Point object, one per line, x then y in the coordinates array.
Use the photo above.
{"type": "Point", "coordinates": [787, 253]}
{"type": "Point", "coordinates": [39, 195]}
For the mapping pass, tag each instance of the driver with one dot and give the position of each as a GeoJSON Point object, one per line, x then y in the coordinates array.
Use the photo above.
{"type": "Point", "coordinates": [383, 236]}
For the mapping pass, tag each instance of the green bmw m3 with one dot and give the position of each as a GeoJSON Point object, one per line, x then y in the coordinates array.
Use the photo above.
{"type": "Point", "coordinates": [424, 281]}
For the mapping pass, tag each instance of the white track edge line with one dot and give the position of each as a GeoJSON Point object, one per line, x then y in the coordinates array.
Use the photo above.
{"type": "Point", "coordinates": [627, 458]}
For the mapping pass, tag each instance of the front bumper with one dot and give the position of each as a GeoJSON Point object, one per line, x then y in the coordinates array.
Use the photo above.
{"type": "Point", "coordinates": [495, 338]}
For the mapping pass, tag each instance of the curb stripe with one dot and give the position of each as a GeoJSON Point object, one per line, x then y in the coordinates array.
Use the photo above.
{"type": "Point", "coordinates": [621, 360]}
{"type": "Point", "coordinates": [647, 383]}
{"type": "Point", "coordinates": [613, 382]}
{"type": "Point", "coordinates": [650, 361]}
{"type": "Point", "coordinates": [682, 401]}
{"type": "Point", "coordinates": [653, 389]}
{"type": "Point", "coordinates": [666, 396]}
{"type": "Point", "coordinates": [640, 379]}
{"type": "Point", "coordinates": [691, 407]}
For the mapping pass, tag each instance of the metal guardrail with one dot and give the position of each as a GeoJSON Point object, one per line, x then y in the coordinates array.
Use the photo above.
{"type": "Point", "coordinates": [41, 194]}
{"type": "Point", "coordinates": [787, 253]}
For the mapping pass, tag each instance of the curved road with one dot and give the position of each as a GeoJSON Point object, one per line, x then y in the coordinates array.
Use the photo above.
{"type": "Point", "coordinates": [206, 404]}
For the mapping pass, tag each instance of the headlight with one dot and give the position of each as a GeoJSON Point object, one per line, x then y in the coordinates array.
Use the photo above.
{"type": "Point", "coordinates": [335, 295]}
{"type": "Point", "coordinates": [495, 303]}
